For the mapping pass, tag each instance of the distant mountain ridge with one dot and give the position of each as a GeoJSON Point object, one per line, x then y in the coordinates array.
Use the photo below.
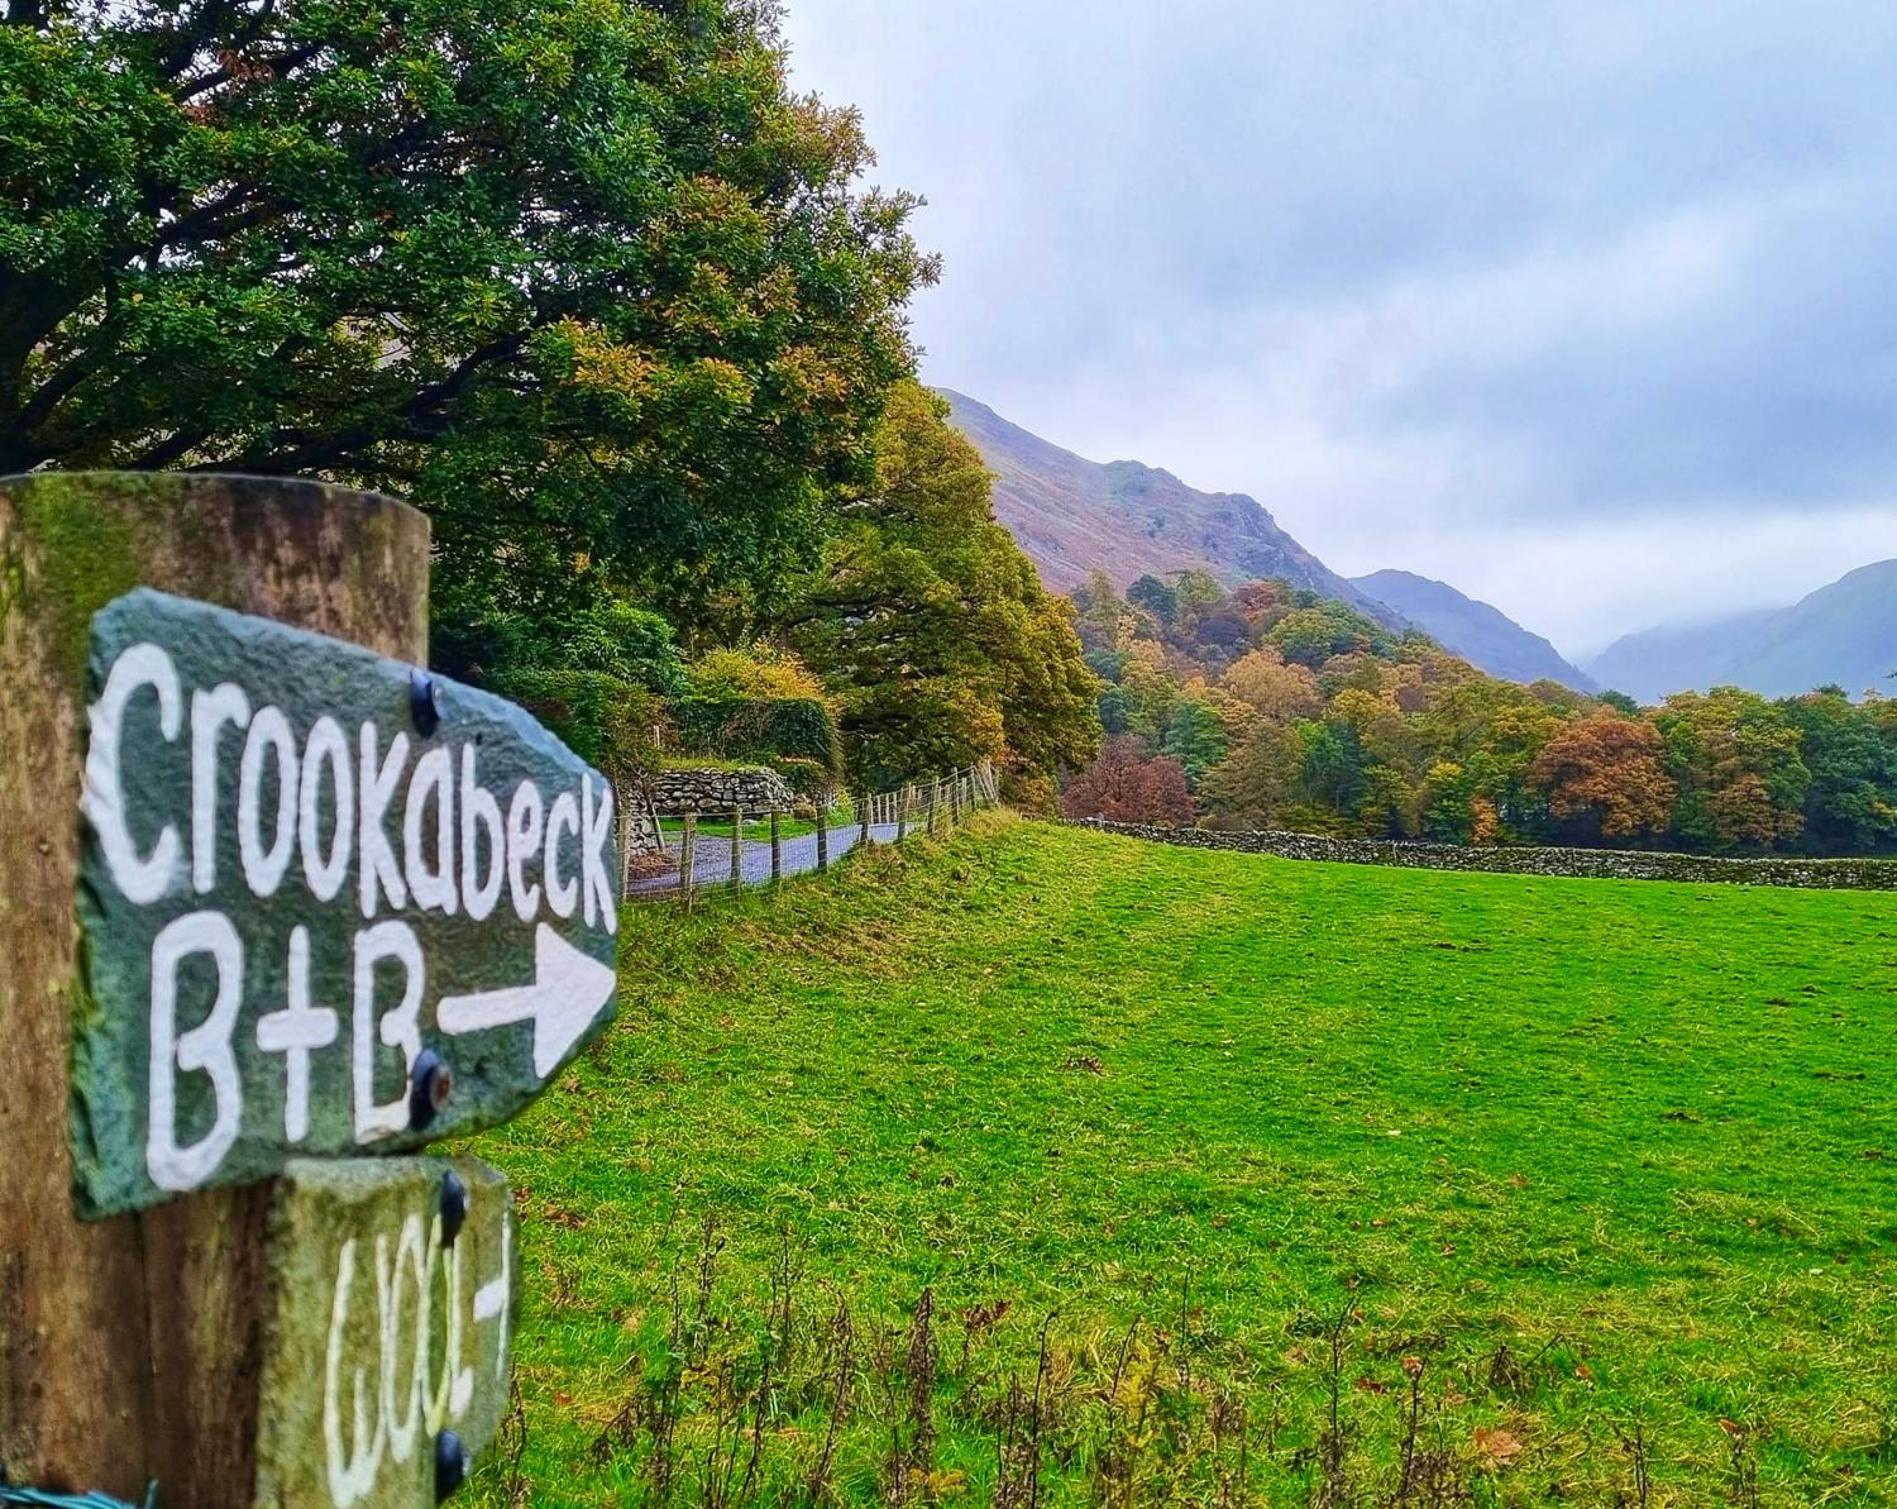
{"type": "Point", "coordinates": [1483, 635]}
{"type": "Point", "coordinates": [1073, 516]}
{"type": "Point", "coordinates": [1843, 634]}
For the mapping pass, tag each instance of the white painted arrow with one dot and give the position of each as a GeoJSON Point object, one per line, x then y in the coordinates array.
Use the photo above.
{"type": "Point", "coordinates": [568, 990]}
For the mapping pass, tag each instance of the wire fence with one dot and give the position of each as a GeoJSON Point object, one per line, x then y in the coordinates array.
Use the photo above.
{"type": "Point", "coordinates": [729, 850]}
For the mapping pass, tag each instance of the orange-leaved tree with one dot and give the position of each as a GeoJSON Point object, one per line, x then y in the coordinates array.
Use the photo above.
{"type": "Point", "coordinates": [1605, 778]}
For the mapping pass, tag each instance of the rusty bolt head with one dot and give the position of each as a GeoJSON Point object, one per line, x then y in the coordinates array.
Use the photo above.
{"type": "Point", "coordinates": [430, 1085]}
{"type": "Point", "coordinates": [452, 1461]}
{"type": "Point", "coordinates": [424, 701]}
{"type": "Point", "coordinates": [454, 1207]}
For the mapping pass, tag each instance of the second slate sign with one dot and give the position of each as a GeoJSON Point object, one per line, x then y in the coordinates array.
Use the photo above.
{"type": "Point", "coordinates": [331, 905]}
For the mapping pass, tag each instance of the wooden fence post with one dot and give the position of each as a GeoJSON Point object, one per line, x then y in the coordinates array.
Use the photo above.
{"type": "Point", "coordinates": [688, 859]}
{"type": "Point", "coordinates": [862, 816]}
{"type": "Point", "coordinates": [737, 848]}
{"type": "Point", "coordinates": [902, 814]}
{"type": "Point", "coordinates": [130, 1346]}
{"type": "Point", "coordinates": [823, 833]}
{"type": "Point", "coordinates": [777, 849]}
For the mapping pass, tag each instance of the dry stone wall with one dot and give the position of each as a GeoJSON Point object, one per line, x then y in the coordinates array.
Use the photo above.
{"type": "Point", "coordinates": [710, 789]}
{"type": "Point", "coordinates": [1596, 864]}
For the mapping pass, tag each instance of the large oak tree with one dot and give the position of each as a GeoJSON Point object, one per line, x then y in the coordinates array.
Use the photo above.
{"type": "Point", "coordinates": [582, 277]}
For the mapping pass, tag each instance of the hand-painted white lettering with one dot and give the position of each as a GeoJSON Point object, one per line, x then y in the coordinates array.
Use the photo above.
{"type": "Point", "coordinates": [526, 822]}
{"type": "Point", "coordinates": [439, 1399]}
{"type": "Point", "coordinates": [294, 1032]}
{"type": "Point", "coordinates": [269, 735]}
{"type": "Point", "coordinates": [456, 1390]}
{"type": "Point", "coordinates": [352, 1470]}
{"type": "Point", "coordinates": [376, 785]}
{"type": "Point", "coordinates": [595, 850]}
{"type": "Point", "coordinates": [326, 748]}
{"type": "Point", "coordinates": [142, 879]}
{"type": "Point", "coordinates": [401, 1028]}
{"type": "Point", "coordinates": [562, 896]}
{"type": "Point", "coordinates": [431, 888]}
{"type": "Point", "coordinates": [410, 1267]}
{"type": "Point", "coordinates": [205, 1048]}
{"type": "Point", "coordinates": [491, 1299]}
{"type": "Point", "coordinates": [479, 811]}
{"type": "Point", "coordinates": [404, 1411]}
{"type": "Point", "coordinates": [210, 711]}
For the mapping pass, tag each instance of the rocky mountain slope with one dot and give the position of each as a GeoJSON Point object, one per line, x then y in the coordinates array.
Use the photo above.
{"type": "Point", "coordinates": [1073, 516]}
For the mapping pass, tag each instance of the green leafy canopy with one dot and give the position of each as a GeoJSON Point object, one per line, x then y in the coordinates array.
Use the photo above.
{"type": "Point", "coordinates": [582, 277]}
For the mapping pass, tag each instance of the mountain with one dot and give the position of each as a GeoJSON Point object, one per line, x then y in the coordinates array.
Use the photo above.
{"type": "Point", "coordinates": [1845, 634]}
{"type": "Point", "coordinates": [1073, 516]}
{"type": "Point", "coordinates": [1484, 636]}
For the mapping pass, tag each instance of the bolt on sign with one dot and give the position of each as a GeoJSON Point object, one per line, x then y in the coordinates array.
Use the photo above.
{"type": "Point", "coordinates": [391, 1306]}
{"type": "Point", "coordinates": [332, 905]}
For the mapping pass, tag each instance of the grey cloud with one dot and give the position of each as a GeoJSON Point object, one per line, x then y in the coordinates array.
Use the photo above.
{"type": "Point", "coordinates": [1551, 267]}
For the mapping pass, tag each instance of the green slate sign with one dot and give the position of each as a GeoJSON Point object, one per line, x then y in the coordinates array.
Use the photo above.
{"type": "Point", "coordinates": [391, 1306]}
{"type": "Point", "coordinates": [331, 905]}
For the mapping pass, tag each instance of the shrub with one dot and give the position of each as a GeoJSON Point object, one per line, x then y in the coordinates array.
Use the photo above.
{"type": "Point", "coordinates": [768, 729]}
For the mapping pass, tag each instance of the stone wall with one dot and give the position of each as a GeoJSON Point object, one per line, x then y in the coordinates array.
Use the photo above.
{"type": "Point", "coordinates": [1597, 864]}
{"type": "Point", "coordinates": [711, 790]}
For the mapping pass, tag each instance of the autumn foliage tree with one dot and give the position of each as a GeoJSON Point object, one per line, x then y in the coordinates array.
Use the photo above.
{"type": "Point", "coordinates": [1290, 711]}
{"type": "Point", "coordinates": [1606, 778]}
{"type": "Point", "coordinates": [1125, 785]}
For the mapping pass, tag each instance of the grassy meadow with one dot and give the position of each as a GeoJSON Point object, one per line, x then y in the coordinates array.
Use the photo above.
{"type": "Point", "coordinates": [1040, 1167]}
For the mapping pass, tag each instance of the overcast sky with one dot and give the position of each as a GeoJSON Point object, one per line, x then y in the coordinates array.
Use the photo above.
{"type": "Point", "coordinates": [1585, 308]}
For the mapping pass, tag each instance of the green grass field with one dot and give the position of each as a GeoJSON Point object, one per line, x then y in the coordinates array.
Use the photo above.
{"type": "Point", "coordinates": [1229, 1179]}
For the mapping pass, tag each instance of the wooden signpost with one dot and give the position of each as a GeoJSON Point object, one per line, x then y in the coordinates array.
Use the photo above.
{"type": "Point", "coordinates": [331, 904]}
{"type": "Point", "coordinates": [278, 902]}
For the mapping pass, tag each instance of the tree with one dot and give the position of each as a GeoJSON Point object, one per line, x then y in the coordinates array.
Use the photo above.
{"type": "Point", "coordinates": [1605, 778]}
{"type": "Point", "coordinates": [1309, 636]}
{"type": "Point", "coordinates": [931, 626]}
{"type": "Point", "coordinates": [1251, 786]}
{"type": "Point", "coordinates": [1736, 759]}
{"type": "Point", "coordinates": [1195, 737]}
{"type": "Point", "coordinates": [607, 636]}
{"type": "Point", "coordinates": [585, 281]}
{"type": "Point", "coordinates": [1125, 786]}
{"type": "Point", "coordinates": [1150, 593]}
{"type": "Point", "coordinates": [1274, 689]}
{"type": "Point", "coordinates": [1098, 612]}
{"type": "Point", "coordinates": [1851, 753]}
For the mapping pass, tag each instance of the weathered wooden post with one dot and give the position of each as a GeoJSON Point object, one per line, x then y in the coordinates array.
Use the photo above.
{"type": "Point", "coordinates": [688, 859]}
{"type": "Point", "coordinates": [902, 814]}
{"type": "Point", "coordinates": [777, 848]}
{"type": "Point", "coordinates": [188, 1245]}
{"type": "Point", "coordinates": [955, 799]}
{"type": "Point", "coordinates": [823, 832]}
{"type": "Point", "coordinates": [737, 848]}
{"type": "Point", "coordinates": [862, 816]}
{"type": "Point", "coordinates": [935, 792]}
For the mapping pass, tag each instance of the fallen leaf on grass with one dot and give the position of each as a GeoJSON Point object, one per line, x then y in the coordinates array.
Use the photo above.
{"type": "Point", "coordinates": [1496, 1447]}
